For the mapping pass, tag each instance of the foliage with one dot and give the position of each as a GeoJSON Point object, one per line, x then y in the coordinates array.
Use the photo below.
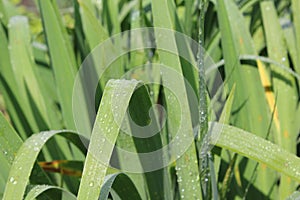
{"type": "Point", "coordinates": [243, 136]}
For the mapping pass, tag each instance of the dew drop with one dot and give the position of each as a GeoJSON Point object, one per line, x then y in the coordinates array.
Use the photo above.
{"type": "Point", "coordinates": [179, 180]}
{"type": "Point", "coordinates": [12, 180]}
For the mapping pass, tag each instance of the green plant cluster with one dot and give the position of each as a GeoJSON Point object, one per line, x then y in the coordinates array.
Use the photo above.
{"type": "Point", "coordinates": [256, 47]}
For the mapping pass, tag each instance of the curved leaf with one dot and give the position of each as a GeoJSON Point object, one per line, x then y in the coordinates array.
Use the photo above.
{"type": "Point", "coordinates": [25, 160]}
{"type": "Point", "coordinates": [104, 136]}
{"type": "Point", "coordinates": [256, 148]}
{"type": "Point", "coordinates": [121, 184]}
{"type": "Point", "coordinates": [40, 189]}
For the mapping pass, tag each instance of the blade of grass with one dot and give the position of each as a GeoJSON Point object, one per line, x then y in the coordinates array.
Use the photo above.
{"type": "Point", "coordinates": [8, 10]}
{"type": "Point", "coordinates": [257, 148]}
{"type": "Point", "coordinates": [9, 88]}
{"type": "Point", "coordinates": [233, 41]}
{"type": "Point", "coordinates": [104, 136]}
{"type": "Point", "coordinates": [291, 41]}
{"type": "Point", "coordinates": [9, 145]}
{"type": "Point", "coordinates": [188, 16]}
{"type": "Point", "coordinates": [105, 129]}
{"type": "Point", "coordinates": [24, 71]}
{"type": "Point", "coordinates": [3, 15]}
{"type": "Point", "coordinates": [38, 190]}
{"type": "Point", "coordinates": [224, 118]}
{"type": "Point", "coordinates": [25, 159]}
{"type": "Point", "coordinates": [98, 39]}
{"type": "Point", "coordinates": [296, 20]}
{"type": "Point", "coordinates": [203, 156]}
{"type": "Point", "coordinates": [157, 180]}
{"type": "Point", "coordinates": [250, 111]}
{"type": "Point", "coordinates": [186, 165]}
{"type": "Point", "coordinates": [62, 57]}
{"type": "Point", "coordinates": [34, 98]}
{"type": "Point", "coordinates": [284, 86]}
{"type": "Point", "coordinates": [121, 184]}
{"type": "Point", "coordinates": [93, 29]}
{"type": "Point", "coordinates": [110, 16]}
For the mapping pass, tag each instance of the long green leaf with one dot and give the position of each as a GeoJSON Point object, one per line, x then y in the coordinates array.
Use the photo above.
{"type": "Point", "coordinates": [251, 111]}
{"type": "Point", "coordinates": [284, 86]}
{"type": "Point", "coordinates": [224, 118]}
{"type": "Point", "coordinates": [25, 159]}
{"type": "Point", "coordinates": [62, 57]}
{"type": "Point", "coordinates": [256, 148]}
{"type": "Point", "coordinates": [296, 20]}
{"type": "Point", "coordinates": [93, 29]}
{"type": "Point", "coordinates": [186, 165]}
{"type": "Point", "coordinates": [25, 75]}
{"type": "Point", "coordinates": [34, 98]}
{"type": "Point", "coordinates": [10, 142]}
{"type": "Point", "coordinates": [9, 87]}
{"type": "Point", "coordinates": [104, 135]}
{"type": "Point", "coordinates": [40, 189]}
{"type": "Point", "coordinates": [103, 138]}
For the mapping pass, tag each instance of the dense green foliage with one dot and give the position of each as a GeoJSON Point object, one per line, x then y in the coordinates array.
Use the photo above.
{"type": "Point", "coordinates": [236, 141]}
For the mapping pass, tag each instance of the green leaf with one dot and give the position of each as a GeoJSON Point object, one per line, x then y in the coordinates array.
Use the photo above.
{"type": "Point", "coordinates": [256, 148]}
{"type": "Point", "coordinates": [284, 86]}
{"type": "Point", "coordinates": [104, 135]}
{"type": "Point", "coordinates": [121, 185]}
{"type": "Point", "coordinates": [25, 73]}
{"type": "Point", "coordinates": [103, 138]}
{"type": "Point", "coordinates": [62, 57]}
{"type": "Point", "coordinates": [93, 29]}
{"type": "Point", "coordinates": [38, 190]}
{"type": "Point", "coordinates": [9, 87]}
{"type": "Point", "coordinates": [224, 119]}
{"type": "Point", "coordinates": [110, 16]}
{"type": "Point", "coordinates": [25, 159]}
{"type": "Point", "coordinates": [34, 99]}
{"type": "Point", "coordinates": [186, 165]}
{"type": "Point", "coordinates": [296, 20]}
{"type": "Point", "coordinates": [8, 10]}
{"type": "Point", "coordinates": [235, 40]}
{"type": "Point", "coordinates": [250, 111]}
{"type": "Point", "coordinates": [10, 142]}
